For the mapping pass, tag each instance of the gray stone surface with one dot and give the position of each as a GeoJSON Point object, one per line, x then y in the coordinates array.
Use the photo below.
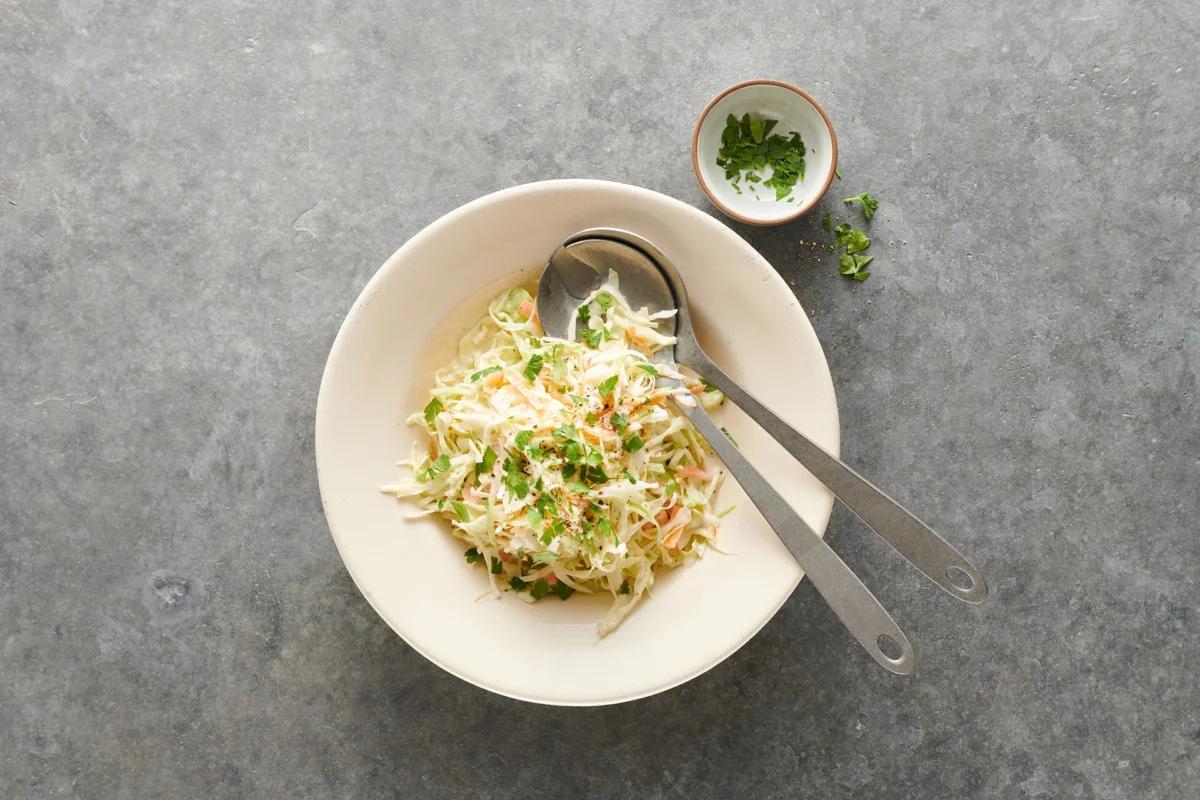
{"type": "Point", "coordinates": [192, 195]}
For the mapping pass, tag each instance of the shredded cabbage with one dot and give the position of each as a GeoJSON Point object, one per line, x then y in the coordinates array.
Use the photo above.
{"type": "Point", "coordinates": [564, 464]}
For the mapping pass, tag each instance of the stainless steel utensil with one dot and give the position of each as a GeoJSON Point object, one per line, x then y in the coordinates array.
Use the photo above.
{"type": "Point", "coordinates": [577, 268]}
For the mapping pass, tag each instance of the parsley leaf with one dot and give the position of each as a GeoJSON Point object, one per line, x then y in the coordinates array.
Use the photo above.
{"type": "Point", "coordinates": [619, 421]}
{"type": "Point", "coordinates": [634, 443]}
{"type": "Point", "coordinates": [540, 589]}
{"type": "Point", "coordinates": [523, 439]}
{"type": "Point", "coordinates": [496, 566]}
{"type": "Point", "coordinates": [604, 300]}
{"type": "Point", "coordinates": [628, 476]}
{"type": "Point", "coordinates": [515, 479]}
{"type": "Point", "coordinates": [545, 557]}
{"type": "Point", "coordinates": [489, 460]}
{"type": "Point", "coordinates": [852, 266]}
{"type": "Point", "coordinates": [473, 555]}
{"type": "Point", "coordinates": [562, 590]}
{"type": "Point", "coordinates": [648, 368]}
{"type": "Point", "coordinates": [432, 410]}
{"type": "Point", "coordinates": [435, 468]}
{"type": "Point", "coordinates": [708, 385]}
{"type": "Point", "coordinates": [851, 239]}
{"type": "Point", "coordinates": [624, 588]}
{"type": "Point", "coordinates": [585, 312]}
{"type": "Point", "coordinates": [592, 337]}
{"type": "Point", "coordinates": [868, 203]}
{"type": "Point", "coordinates": [533, 367]}
{"type": "Point", "coordinates": [607, 386]}
{"type": "Point", "coordinates": [517, 585]}
{"type": "Point", "coordinates": [461, 511]}
{"type": "Point", "coordinates": [483, 373]}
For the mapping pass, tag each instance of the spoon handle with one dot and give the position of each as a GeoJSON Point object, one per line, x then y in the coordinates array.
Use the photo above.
{"type": "Point", "coordinates": [911, 538]}
{"type": "Point", "coordinates": [852, 601]}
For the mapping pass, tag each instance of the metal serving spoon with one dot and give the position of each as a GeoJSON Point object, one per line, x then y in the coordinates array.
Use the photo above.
{"type": "Point", "coordinates": [576, 269]}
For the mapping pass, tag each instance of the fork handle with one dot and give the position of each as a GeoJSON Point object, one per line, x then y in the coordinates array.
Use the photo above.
{"type": "Point", "coordinates": [910, 537]}
{"type": "Point", "coordinates": [850, 600]}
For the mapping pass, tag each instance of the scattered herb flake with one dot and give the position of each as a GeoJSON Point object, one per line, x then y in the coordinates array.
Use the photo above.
{"type": "Point", "coordinates": [497, 567]}
{"type": "Point", "coordinates": [545, 557]}
{"type": "Point", "coordinates": [634, 443]}
{"type": "Point", "coordinates": [608, 386]}
{"type": "Point", "coordinates": [619, 421]}
{"type": "Point", "coordinates": [628, 476]}
{"type": "Point", "coordinates": [604, 300]}
{"type": "Point", "coordinates": [592, 337]}
{"type": "Point", "coordinates": [473, 555]}
{"type": "Point", "coordinates": [648, 368]}
{"type": "Point", "coordinates": [539, 589]}
{"type": "Point", "coordinates": [461, 511]}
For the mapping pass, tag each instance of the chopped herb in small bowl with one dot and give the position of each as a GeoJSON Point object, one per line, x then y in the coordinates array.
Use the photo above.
{"type": "Point", "coordinates": [764, 152]}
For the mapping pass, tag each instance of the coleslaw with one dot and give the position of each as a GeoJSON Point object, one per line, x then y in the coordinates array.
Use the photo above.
{"type": "Point", "coordinates": [563, 464]}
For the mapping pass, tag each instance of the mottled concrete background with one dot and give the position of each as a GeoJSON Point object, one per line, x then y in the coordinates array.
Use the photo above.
{"type": "Point", "coordinates": [192, 195]}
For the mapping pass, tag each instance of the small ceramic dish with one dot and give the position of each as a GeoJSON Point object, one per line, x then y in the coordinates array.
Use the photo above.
{"type": "Point", "coordinates": [795, 110]}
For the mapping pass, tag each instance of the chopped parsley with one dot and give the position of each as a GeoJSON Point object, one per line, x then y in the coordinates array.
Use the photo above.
{"type": "Point", "coordinates": [523, 439]}
{"type": "Point", "coordinates": [517, 585]}
{"type": "Point", "coordinates": [608, 386]}
{"type": "Point", "coordinates": [648, 368]}
{"type": "Point", "coordinates": [854, 266]}
{"type": "Point", "coordinates": [634, 443]}
{"type": "Point", "coordinates": [436, 467]}
{"type": "Point", "coordinates": [619, 421]}
{"type": "Point", "coordinates": [628, 476]}
{"type": "Point", "coordinates": [473, 555]}
{"type": "Point", "coordinates": [515, 479]}
{"type": "Point", "coordinates": [489, 460]}
{"type": "Point", "coordinates": [461, 511]}
{"type": "Point", "coordinates": [748, 147]}
{"type": "Point", "coordinates": [483, 373]}
{"type": "Point", "coordinates": [497, 567]}
{"type": "Point", "coordinates": [592, 337]}
{"type": "Point", "coordinates": [604, 300]}
{"type": "Point", "coordinates": [540, 588]}
{"type": "Point", "coordinates": [533, 367]}
{"type": "Point", "coordinates": [432, 410]}
{"type": "Point", "coordinates": [708, 385]}
{"type": "Point", "coordinates": [868, 203]}
{"type": "Point", "coordinates": [544, 557]}
{"type": "Point", "coordinates": [562, 590]}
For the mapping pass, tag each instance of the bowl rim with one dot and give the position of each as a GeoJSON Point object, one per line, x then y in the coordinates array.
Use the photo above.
{"type": "Point", "coordinates": [725, 209]}
{"type": "Point", "coordinates": [322, 412]}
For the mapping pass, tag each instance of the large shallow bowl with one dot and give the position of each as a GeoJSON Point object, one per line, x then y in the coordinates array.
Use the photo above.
{"type": "Point", "coordinates": [412, 571]}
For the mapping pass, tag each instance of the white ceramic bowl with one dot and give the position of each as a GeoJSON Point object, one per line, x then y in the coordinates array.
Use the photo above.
{"type": "Point", "coordinates": [796, 110]}
{"type": "Point", "coordinates": [412, 571]}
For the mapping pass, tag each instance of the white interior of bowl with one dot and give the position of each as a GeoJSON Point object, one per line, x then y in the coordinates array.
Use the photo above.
{"type": "Point", "coordinates": [412, 571]}
{"type": "Point", "coordinates": [795, 113]}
